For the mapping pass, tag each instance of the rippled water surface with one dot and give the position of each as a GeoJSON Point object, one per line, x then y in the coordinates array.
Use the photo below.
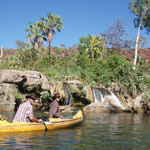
{"type": "Point", "coordinates": [101, 131]}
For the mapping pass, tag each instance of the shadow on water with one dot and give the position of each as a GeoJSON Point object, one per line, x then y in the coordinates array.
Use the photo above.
{"type": "Point", "coordinates": [56, 139]}
{"type": "Point", "coordinates": [104, 131]}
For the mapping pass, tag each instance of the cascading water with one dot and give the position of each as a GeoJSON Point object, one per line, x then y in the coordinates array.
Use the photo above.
{"type": "Point", "coordinates": [113, 96]}
{"type": "Point", "coordinates": [68, 94]}
{"type": "Point", "coordinates": [97, 95]}
{"type": "Point", "coordinates": [100, 94]}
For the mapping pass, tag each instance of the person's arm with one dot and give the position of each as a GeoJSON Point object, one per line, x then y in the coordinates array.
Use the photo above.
{"type": "Point", "coordinates": [56, 115]}
{"type": "Point", "coordinates": [62, 109]}
{"type": "Point", "coordinates": [33, 119]}
{"type": "Point", "coordinates": [31, 116]}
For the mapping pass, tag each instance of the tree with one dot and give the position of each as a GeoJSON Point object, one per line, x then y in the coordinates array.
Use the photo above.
{"type": "Point", "coordinates": [62, 46]}
{"type": "Point", "coordinates": [141, 8]}
{"type": "Point", "coordinates": [20, 44]}
{"type": "Point", "coordinates": [94, 46]}
{"type": "Point", "coordinates": [146, 23]}
{"type": "Point", "coordinates": [35, 36]}
{"type": "Point", "coordinates": [142, 42]}
{"type": "Point", "coordinates": [50, 25]}
{"type": "Point", "coordinates": [116, 36]}
{"type": "Point", "coordinates": [1, 56]}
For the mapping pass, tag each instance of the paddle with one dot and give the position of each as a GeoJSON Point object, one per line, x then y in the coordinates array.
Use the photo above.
{"type": "Point", "coordinates": [45, 126]}
{"type": "Point", "coordinates": [46, 123]}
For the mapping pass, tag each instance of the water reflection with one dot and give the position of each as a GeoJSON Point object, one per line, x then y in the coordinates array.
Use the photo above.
{"type": "Point", "coordinates": [105, 131]}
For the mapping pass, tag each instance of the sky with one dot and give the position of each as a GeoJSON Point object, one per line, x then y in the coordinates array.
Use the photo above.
{"type": "Point", "coordinates": [80, 18]}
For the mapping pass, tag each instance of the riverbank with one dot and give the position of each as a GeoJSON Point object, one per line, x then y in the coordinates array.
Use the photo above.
{"type": "Point", "coordinates": [15, 85]}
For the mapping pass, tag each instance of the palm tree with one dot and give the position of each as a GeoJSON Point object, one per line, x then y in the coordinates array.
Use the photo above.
{"type": "Point", "coordinates": [94, 46]}
{"type": "Point", "coordinates": [49, 26]}
{"type": "Point", "coordinates": [35, 36]}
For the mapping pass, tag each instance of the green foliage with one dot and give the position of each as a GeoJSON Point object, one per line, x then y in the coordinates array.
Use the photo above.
{"type": "Point", "coordinates": [141, 8]}
{"type": "Point", "coordinates": [45, 96]}
{"type": "Point", "coordinates": [26, 58]}
{"type": "Point", "coordinates": [80, 86]}
{"type": "Point", "coordinates": [19, 97]}
{"type": "Point", "coordinates": [57, 50]}
{"type": "Point", "coordinates": [49, 27]}
{"type": "Point", "coordinates": [94, 46]}
{"type": "Point", "coordinates": [112, 68]}
{"type": "Point", "coordinates": [146, 96]}
{"type": "Point", "coordinates": [20, 44]}
{"type": "Point", "coordinates": [34, 35]}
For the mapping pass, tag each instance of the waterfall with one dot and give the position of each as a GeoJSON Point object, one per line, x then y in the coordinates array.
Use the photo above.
{"type": "Point", "coordinates": [68, 94]}
{"type": "Point", "coordinates": [97, 95]}
{"type": "Point", "coordinates": [100, 94]}
{"type": "Point", "coordinates": [113, 96]}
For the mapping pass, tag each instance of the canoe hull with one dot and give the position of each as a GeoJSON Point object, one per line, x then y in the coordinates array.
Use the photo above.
{"type": "Point", "coordinates": [26, 127]}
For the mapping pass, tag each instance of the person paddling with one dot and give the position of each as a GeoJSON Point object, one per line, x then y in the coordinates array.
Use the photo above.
{"type": "Point", "coordinates": [54, 111]}
{"type": "Point", "coordinates": [25, 111]}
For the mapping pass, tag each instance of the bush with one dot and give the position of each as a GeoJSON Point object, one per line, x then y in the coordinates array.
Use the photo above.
{"type": "Point", "coordinates": [112, 68]}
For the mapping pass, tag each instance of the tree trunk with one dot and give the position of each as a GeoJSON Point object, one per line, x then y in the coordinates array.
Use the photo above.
{"type": "Point", "coordinates": [36, 46]}
{"type": "Point", "coordinates": [136, 44]}
{"type": "Point", "coordinates": [1, 52]}
{"type": "Point", "coordinates": [49, 48]}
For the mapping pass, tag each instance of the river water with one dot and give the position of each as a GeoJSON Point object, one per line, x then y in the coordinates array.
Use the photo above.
{"type": "Point", "coordinates": [99, 131]}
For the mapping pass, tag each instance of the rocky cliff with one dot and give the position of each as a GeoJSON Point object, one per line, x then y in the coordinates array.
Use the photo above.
{"type": "Point", "coordinates": [13, 82]}
{"type": "Point", "coordinates": [15, 85]}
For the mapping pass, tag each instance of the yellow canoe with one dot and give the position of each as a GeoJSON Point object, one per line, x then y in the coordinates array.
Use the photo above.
{"type": "Point", "coordinates": [51, 125]}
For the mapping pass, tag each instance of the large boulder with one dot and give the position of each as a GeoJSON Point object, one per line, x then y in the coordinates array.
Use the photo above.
{"type": "Point", "coordinates": [80, 92]}
{"type": "Point", "coordinates": [141, 103]}
{"type": "Point", "coordinates": [96, 107]}
{"type": "Point", "coordinates": [109, 105]}
{"type": "Point", "coordinates": [56, 87]}
{"type": "Point", "coordinates": [31, 79]}
{"type": "Point", "coordinates": [89, 94]}
{"type": "Point", "coordinates": [7, 96]}
{"type": "Point", "coordinates": [11, 76]}
{"type": "Point", "coordinates": [35, 78]}
{"type": "Point", "coordinates": [14, 82]}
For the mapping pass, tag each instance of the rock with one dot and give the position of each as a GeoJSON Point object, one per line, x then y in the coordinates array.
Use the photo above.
{"type": "Point", "coordinates": [138, 104]}
{"type": "Point", "coordinates": [56, 87]}
{"type": "Point", "coordinates": [96, 107]}
{"type": "Point", "coordinates": [52, 84]}
{"type": "Point", "coordinates": [80, 92]}
{"type": "Point", "coordinates": [27, 78]}
{"type": "Point", "coordinates": [109, 105]}
{"type": "Point", "coordinates": [35, 79]}
{"type": "Point", "coordinates": [75, 85]}
{"type": "Point", "coordinates": [7, 96]}
{"type": "Point", "coordinates": [59, 88]}
{"type": "Point", "coordinates": [13, 81]}
{"type": "Point", "coordinates": [89, 94]}
{"type": "Point", "coordinates": [11, 76]}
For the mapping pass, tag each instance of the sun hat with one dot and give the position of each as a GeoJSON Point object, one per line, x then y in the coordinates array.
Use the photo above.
{"type": "Point", "coordinates": [57, 95]}
{"type": "Point", "coordinates": [32, 96]}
